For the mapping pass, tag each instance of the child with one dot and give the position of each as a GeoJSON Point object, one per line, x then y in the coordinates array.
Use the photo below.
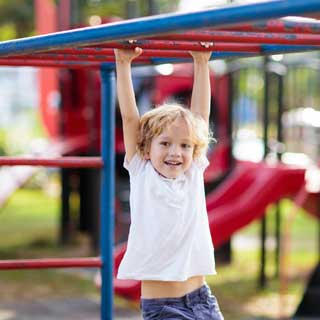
{"type": "Point", "coordinates": [169, 246]}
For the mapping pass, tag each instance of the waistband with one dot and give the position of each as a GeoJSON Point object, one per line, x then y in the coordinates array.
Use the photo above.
{"type": "Point", "coordinates": [190, 298]}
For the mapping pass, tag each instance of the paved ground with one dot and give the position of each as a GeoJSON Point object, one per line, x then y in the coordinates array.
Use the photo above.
{"type": "Point", "coordinates": [71, 309]}
{"type": "Point", "coordinates": [60, 309]}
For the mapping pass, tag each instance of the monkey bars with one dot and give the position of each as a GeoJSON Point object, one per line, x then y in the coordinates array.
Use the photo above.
{"type": "Point", "coordinates": [233, 33]}
{"type": "Point", "coordinates": [161, 24]}
{"type": "Point", "coordinates": [163, 42]}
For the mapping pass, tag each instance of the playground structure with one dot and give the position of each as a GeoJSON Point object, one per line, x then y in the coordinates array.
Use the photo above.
{"type": "Point", "coordinates": [92, 48]}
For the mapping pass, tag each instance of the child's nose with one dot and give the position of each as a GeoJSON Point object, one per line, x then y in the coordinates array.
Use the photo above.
{"type": "Point", "coordinates": [175, 150]}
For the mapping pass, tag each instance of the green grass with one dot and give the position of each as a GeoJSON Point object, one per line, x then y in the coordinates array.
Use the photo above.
{"type": "Point", "coordinates": [30, 217]}
{"type": "Point", "coordinates": [29, 228]}
{"type": "Point", "coordinates": [236, 285]}
{"type": "Point", "coordinates": [303, 223]}
{"type": "Point", "coordinates": [29, 284]}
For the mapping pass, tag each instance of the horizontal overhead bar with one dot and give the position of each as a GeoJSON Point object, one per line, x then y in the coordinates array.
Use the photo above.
{"type": "Point", "coordinates": [159, 24]}
{"type": "Point", "coordinates": [292, 25]}
{"type": "Point", "coordinates": [241, 36]}
{"type": "Point", "coordinates": [107, 55]}
{"type": "Point", "coordinates": [171, 48]}
{"type": "Point", "coordinates": [62, 162]}
{"type": "Point", "coordinates": [50, 263]}
{"type": "Point", "coordinates": [180, 57]}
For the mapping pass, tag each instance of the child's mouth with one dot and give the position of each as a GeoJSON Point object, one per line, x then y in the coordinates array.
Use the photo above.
{"type": "Point", "coordinates": [173, 163]}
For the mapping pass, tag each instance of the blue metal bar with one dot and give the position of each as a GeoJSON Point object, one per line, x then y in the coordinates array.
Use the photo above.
{"type": "Point", "coordinates": [273, 48]}
{"type": "Point", "coordinates": [156, 25]}
{"type": "Point", "coordinates": [107, 190]}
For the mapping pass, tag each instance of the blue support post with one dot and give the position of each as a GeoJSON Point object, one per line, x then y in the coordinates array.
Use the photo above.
{"type": "Point", "coordinates": [107, 190]}
{"type": "Point", "coordinates": [155, 25]}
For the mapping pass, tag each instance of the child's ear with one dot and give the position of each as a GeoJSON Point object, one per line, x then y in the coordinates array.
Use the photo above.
{"type": "Point", "coordinates": [147, 156]}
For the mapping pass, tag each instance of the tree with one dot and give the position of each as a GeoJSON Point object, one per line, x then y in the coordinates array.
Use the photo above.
{"type": "Point", "coordinates": [123, 8]}
{"type": "Point", "coordinates": [16, 19]}
{"type": "Point", "coordinates": [17, 16]}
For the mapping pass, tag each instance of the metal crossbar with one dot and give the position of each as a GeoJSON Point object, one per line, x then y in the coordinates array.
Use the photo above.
{"type": "Point", "coordinates": [61, 162]}
{"type": "Point", "coordinates": [157, 25]}
{"type": "Point", "coordinates": [50, 263]}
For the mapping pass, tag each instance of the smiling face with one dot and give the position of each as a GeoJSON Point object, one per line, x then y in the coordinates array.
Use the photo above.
{"type": "Point", "coordinates": [171, 152]}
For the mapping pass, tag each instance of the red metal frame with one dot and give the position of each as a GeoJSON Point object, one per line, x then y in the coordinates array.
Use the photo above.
{"type": "Point", "coordinates": [181, 45]}
{"type": "Point", "coordinates": [280, 25]}
{"type": "Point", "coordinates": [49, 63]}
{"type": "Point", "coordinates": [176, 45]}
{"type": "Point", "coordinates": [62, 162]}
{"type": "Point", "coordinates": [247, 42]}
{"type": "Point", "coordinates": [50, 263]}
{"type": "Point", "coordinates": [241, 36]}
{"type": "Point", "coordinates": [171, 49]}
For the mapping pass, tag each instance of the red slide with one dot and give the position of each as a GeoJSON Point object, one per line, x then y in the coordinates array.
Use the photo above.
{"type": "Point", "coordinates": [240, 199]}
{"type": "Point", "coordinates": [246, 193]}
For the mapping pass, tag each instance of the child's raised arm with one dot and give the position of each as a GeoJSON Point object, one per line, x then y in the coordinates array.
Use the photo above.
{"type": "Point", "coordinates": [127, 102]}
{"type": "Point", "coordinates": [201, 93]}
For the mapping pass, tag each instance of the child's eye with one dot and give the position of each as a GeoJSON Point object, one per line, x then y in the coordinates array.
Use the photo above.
{"type": "Point", "coordinates": [164, 143]}
{"type": "Point", "coordinates": [186, 146]}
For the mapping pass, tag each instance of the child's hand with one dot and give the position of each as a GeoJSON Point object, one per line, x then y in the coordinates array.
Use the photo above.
{"type": "Point", "coordinates": [201, 56]}
{"type": "Point", "coordinates": [123, 55]}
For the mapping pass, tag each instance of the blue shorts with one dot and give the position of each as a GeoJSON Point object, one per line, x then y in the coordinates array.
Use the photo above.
{"type": "Point", "coordinates": [199, 304]}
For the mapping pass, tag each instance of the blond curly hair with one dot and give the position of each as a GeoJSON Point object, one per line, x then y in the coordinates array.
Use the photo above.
{"type": "Point", "coordinates": [153, 122]}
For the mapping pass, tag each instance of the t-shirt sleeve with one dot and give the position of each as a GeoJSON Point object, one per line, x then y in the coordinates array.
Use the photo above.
{"type": "Point", "coordinates": [135, 165]}
{"type": "Point", "coordinates": [202, 163]}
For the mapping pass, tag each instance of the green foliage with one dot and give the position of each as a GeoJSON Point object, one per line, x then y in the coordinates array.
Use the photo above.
{"type": "Point", "coordinates": [17, 16]}
{"type": "Point", "coordinates": [16, 139]}
{"type": "Point", "coordinates": [2, 143]}
{"type": "Point", "coordinates": [122, 8]}
{"type": "Point", "coordinates": [301, 88]}
{"type": "Point", "coordinates": [35, 127]}
{"type": "Point", "coordinates": [8, 31]}
{"type": "Point", "coordinates": [102, 8]}
{"type": "Point", "coordinates": [16, 19]}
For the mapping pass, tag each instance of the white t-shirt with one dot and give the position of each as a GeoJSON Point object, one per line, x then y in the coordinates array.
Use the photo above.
{"type": "Point", "coordinates": [169, 237]}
